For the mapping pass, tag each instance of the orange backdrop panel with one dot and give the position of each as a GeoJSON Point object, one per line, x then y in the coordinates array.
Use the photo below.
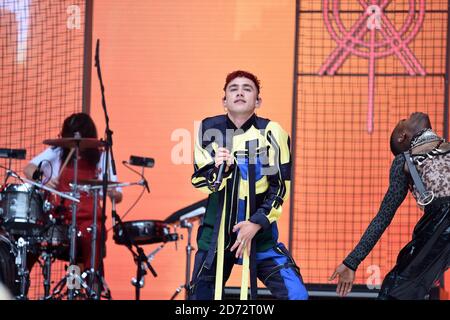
{"type": "Point", "coordinates": [164, 64]}
{"type": "Point", "coordinates": [342, 171]}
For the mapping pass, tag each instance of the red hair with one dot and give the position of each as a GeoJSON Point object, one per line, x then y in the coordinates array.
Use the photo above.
{"type": "Point", "coordinates": [241, 74]}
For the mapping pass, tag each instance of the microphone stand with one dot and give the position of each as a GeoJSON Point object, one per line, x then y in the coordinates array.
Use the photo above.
{"type": "Point", "coordinates": [108, 151]}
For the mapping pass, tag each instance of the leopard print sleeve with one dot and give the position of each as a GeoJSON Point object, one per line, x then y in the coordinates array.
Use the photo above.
{"type": "Point", "coordinates": [396, 193]}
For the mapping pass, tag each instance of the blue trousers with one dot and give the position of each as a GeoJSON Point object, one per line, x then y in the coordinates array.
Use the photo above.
{"type": "Point", "coordinates": [275, 268]}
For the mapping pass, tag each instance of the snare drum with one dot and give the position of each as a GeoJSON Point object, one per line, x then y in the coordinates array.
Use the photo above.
{"type": "Point", "coordinates": [21, 210]}
{"type": "Point", "coordinates": [143, 232]}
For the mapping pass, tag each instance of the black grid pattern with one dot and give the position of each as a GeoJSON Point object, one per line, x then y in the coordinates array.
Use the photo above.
{"type": "Point", "coordinates": [42, 54]}
{"type": "Point", "coordinates": [341, 171]}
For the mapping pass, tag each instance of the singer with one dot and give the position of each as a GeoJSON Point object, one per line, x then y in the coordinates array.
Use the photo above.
{"type": "Point", "coordinates": [243, 162]}
{"type": "Point", "coordinates": [58, 169]}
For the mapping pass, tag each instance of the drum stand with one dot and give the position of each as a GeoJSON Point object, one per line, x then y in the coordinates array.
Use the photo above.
{"type": "Point", "coordinates": [46, 272]}
{"type": "Point", "coordinates": [186, 224]}
{"type": "Point", "coordinates": [22, 270]}
{"type": "Point", "coordinates": [92, 273]}
{"type": "Point", "coordinates": [142, 261]}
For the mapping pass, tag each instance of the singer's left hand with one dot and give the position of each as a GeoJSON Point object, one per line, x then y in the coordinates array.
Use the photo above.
{"type": "Point", "coordinates": [246, 231]}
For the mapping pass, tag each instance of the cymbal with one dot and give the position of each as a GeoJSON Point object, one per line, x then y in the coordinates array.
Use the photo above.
{"type": "Point", "coordinates": [83, 143]}
{"type": "Point", "coordinates": [95, 182]}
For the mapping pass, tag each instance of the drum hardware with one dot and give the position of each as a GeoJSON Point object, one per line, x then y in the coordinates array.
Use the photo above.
{"type": "Point", "coordinates": [92, 274]}
{"type": "Point", "coordinates": [121, 236]}
{"type": "Point", "coordinates": [46, 272]}
{"type": "Point", "coordinates": [68, 196]}
{"type": "Point", "coordinates": [186, 221]}
{"type": "Point", "coordinates": [46, 242]}
{"type": "Point", "coordinates": [18, 154]}
{"type": "Point", "coordinates": [150, 258]}
{"type": "Point", "coordinates": [21, 263]}
{"type": "Point", "coordinates": [76, 143]}
{"type": "Point", "coordinates": [91, 185]}
{"type": "Point", "coordinates": [141, 162]}
{"type": "Point", "coordinates": [24, 217]}
{"type": "Point", "coordinates": [94, 187]}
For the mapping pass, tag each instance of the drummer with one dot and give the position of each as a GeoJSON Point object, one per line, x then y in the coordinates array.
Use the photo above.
{"type": "Point", "coordinates": [57, 168]}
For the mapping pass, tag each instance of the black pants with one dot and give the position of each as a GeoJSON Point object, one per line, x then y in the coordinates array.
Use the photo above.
{"type": "Point", "coordinates": [424, 259]}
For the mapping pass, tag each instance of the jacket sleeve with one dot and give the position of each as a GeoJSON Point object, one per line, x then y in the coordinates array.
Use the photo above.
{"type": "Point", "coordinates": [396, 193]}
{"type": "Point", "coordinates": [205, 172]}
{"type": "Point", "coordinates": [278, 174]}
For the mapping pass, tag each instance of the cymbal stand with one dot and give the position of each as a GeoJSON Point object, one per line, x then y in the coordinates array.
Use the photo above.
{"type": "Point", "coordinates": [72, 274]}
{"type": "Point", "coordinates": [95, 274]}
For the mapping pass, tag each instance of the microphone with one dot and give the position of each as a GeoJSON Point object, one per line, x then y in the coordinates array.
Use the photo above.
{"type": "Point", "coordinates": [228, 145]}
{"type": "Point", "coordinates": [142, 161]}
{"type": "Point", "coordinates": [219, 178]}
{"type": "Point", "coordinates": [37, 174]}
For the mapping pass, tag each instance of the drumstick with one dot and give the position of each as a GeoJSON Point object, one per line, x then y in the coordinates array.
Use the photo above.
{"type": "Point", "coordinates": [66, 161]}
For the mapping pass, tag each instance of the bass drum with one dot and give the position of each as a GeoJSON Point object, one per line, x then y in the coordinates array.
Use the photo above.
{"type": "Point", "coordinates": [8, 269]}
{"type": "Point", "coordinates": [55, 239]}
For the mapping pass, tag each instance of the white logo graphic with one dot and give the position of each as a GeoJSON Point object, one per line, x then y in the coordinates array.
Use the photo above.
{"type": "Point", "coordinates": [20, 8]}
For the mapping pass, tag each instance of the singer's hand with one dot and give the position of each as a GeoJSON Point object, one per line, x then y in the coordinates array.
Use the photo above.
{"type": "Point", "coordinates": [223, 155]}
{"type": "Point", "coordinates": [246, 231]}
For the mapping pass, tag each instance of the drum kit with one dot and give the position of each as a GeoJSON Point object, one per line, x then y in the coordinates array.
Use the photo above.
{"type": "Point", "coordinates": [32, 227]}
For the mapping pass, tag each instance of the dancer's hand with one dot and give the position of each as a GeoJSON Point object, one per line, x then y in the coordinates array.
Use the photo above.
{"type": "Point", "coordinates": [346, 276]}
{"type": "Point", "coordinates": [246, 231]}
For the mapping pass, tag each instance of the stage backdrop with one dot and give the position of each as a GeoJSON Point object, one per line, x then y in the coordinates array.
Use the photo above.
{"type": "Point", "coordinates": [164, 65]}
{"type": "Point", "coordinates": [41, 82]}
{"type": "Point", "coordinates": [346, 107]}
